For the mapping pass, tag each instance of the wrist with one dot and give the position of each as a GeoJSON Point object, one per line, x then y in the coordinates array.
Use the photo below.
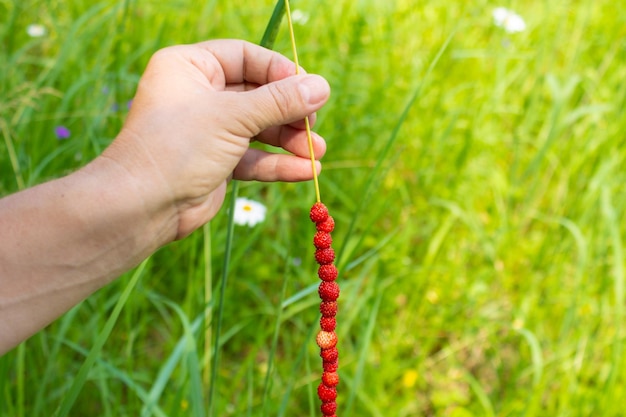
{"type": "Point", "coordinates": [64, 239]}
{"type": "Point", "coordinates": [133, 203]}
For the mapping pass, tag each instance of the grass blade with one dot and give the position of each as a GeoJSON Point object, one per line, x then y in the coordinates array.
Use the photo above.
{"type": "Point", "coordinates": [122, 376]}
{"type": "Point", "coordinates": [279, 317]}
{"type": "Point", "coordinates": [94, 354]}
{"type": "Point", "coordinates": [271, 31]}
{"type": "Point", "coordinates": [208, 296]}
{"type": "Point", "coordinates": [618, 289]}
{"type": "Point", "coordinates": [367, 340]}
{"type": "Point", "coordinates": [167, 369]}
{"type": "Point", "coordinates": [192, 361]}
{"type": "Point", "coordinates": [17, 171]}
{"type": "Point", "coordinates": [374, 176]}
{"type": "Point", "coordinates": [220, 308]}
{"type": "Point", "coordinates": [267, 41]}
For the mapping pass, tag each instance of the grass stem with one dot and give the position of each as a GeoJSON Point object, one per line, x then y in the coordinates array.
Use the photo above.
{"type": "Point", "coordinates": [208, 302]}
{"type": "Point", "coordinates": [307, 124]}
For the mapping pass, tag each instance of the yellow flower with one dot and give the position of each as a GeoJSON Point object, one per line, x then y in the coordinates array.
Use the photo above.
{"type": "Point", "coordinates": [518, 323]}
{"type": "Point", "coordinates": [410, 378]}
{"type": "Point", "coordinates": [432, 296]}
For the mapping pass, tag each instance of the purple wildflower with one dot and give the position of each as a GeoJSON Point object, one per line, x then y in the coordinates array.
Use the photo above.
{"type": "Point", "coordinates": [62, 132]}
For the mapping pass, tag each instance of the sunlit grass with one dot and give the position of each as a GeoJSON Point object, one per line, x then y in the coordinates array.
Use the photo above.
{"type": "Point", "coordinates": [482, 235]}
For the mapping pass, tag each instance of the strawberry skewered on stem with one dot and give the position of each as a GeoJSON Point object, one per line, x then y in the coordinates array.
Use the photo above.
{"type": "Point", "coordinates": [329, 293]}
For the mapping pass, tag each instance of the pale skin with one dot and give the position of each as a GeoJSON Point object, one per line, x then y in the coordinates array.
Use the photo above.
{"type": "Point", "coordinates": [196, 110]}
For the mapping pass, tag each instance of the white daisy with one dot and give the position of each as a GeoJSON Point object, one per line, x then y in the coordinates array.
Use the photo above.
{"type": "Point", "coordinates": [299, 17]}
{"type": "Point", "coordinates": [249, 212]}
{"type": "Point", "coordinates": [508, 20]}
{"type": "Point", "coordinates": [36, 30]}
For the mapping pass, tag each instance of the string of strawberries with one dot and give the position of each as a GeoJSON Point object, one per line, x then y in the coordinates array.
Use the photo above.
{"type": "Point", "coordinates": [328, 289]}
{"type": "Point", "coordinates": [328, 292]}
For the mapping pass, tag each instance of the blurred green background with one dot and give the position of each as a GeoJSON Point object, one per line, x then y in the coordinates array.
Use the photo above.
{"type": "Point", "coordinates": [476, 176]}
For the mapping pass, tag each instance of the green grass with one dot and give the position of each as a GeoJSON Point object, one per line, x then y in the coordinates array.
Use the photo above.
{"type": "Point", "coordinates": [477, 182]}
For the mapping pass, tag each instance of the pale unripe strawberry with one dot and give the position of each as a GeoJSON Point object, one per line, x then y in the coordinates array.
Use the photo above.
{"type": "Point", "coordinates": [326, 340]}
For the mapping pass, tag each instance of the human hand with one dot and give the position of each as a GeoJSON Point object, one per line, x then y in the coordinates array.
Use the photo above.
{"type": "Point", "coordinates": [196, 110]}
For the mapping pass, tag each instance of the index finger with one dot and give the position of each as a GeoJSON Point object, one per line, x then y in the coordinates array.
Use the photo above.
{"type": "Point", "coordinates": [243, 61]}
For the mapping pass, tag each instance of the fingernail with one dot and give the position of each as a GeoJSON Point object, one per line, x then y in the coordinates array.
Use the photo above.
{"type": "Point", "coordinates": [314, 89]}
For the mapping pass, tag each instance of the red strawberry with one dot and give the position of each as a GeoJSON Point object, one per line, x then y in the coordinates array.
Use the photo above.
{"type": "Point", "coordinates": [328, 324]}
{"type": "Point", "coordinates": [332, 366]}
{"type": "Point", "coordinates": [326, 340]}
{"type": "Point", "coordinates": [322, 240]}
{"type": "Point", "coordinates": [319, 213]}
{"type": "Point", "coordinates": [327, 272]}
{"type": "Point", "coordinates": [329, 408]}
{"type": "Point", "coordinates": [326, 394]}
{"type": "Point", "coordinates": [327, 225]}
{"type": "Point", "coordinates": [329, 291]}
{"type": "Point", "coordinates": [325, 256]}
{"type": "Point", "coordinates": [330, 379]}
{"type": "Point", "coordinates": [329, 355]}
{"type": "Point", "coordinates": [328, 308]}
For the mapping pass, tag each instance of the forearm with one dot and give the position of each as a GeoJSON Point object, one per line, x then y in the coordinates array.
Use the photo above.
{"type": "Point", "coordinates": [188, 131]}
{"type": "Point", "coordinates": [63, 240]}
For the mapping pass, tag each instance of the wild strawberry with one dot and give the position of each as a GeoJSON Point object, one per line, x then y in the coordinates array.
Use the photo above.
{"type": "Point", "coordinates": [329, 408]}
{"type": "Point", "coordinates": [326, 340]}
{"type": "Point", "coordinates": [331, 366]}
{"type": "Point", "coordinates": [330, 379]}
{"type": "Point", "coordinates": [329, 355]}
{"type": "Point", "coordinates": [325, 256]}
{"type": "Point", "coordinates": [322, 240]}
{"type": "Point", "coordinates": [328, 324]}
{"type": "Point", "coordinates": [319, 213]}
{"type": "Point", "coordinates": [328, 308]}
{"type": "Point", "coordinates": [326, 394]}
{"type": "Point", "coordinates": [327, 225]}
{"type": "Point", "coordinates": [327, 272]}
{"type": "Point", "coordinates": [329, 291]}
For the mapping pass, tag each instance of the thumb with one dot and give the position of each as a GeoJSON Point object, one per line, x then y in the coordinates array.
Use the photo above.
{"type": "Point", "coordinates": [285, 101]}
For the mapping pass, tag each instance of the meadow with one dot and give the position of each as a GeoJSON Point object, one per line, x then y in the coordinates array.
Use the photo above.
{"type": "Point", "coordinates": [476, 177]}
